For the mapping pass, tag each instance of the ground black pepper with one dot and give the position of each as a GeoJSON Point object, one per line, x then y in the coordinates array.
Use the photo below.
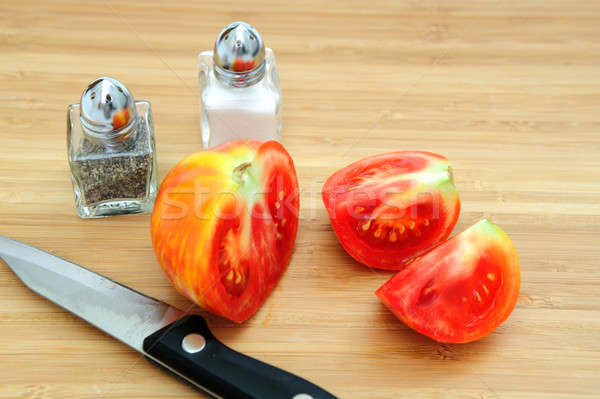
{"type": "Point", "coordinates": [122, 172]}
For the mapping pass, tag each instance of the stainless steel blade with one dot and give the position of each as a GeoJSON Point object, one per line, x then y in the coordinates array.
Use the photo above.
{"type": "Point", "coordinates": [126, 314]}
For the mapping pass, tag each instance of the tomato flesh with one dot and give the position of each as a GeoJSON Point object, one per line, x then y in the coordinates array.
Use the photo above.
{"type": "Point", "coordinates": [232, 261]}
{"type": "Point", "coordinates": [389, 208]}
{"type": "Point", "coordinates": [282, 198]}
{"type": "Point", "coordinates": [461, 290]}
{"type": "Point", "coordinates": [224, 225]}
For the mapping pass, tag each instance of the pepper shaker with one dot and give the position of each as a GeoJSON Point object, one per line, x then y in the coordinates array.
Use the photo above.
{"type": "Point", "coordinates": [111, 151]}
{"type": "Point", "coordinates": [240, 94]}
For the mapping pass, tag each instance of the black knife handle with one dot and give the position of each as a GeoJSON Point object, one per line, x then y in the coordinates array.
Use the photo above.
{"type": "Point", "coordinates": [218, 369]}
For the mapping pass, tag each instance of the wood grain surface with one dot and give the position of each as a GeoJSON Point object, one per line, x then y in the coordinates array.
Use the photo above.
{"type": "Point", "coordinates": [509, 91]}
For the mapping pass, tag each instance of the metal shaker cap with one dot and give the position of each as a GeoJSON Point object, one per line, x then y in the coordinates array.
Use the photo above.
{"type": "Point", "coordinates": [239, 55]}
{"type": "Point", "coordinates": [107, 110]}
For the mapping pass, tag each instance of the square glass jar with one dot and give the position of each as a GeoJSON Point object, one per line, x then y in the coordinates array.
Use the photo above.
{"type": "Point", "coordinates": [113, 179]}
{"type": "Point", "coordinates": [239, 113]}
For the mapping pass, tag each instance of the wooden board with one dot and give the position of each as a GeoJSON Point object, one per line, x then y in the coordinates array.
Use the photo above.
{"type": "Point", "coordinates": [509, 91]}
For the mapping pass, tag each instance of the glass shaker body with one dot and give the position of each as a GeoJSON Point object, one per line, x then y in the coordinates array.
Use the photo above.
{"type": "Point", "coordinates": [113, 178]}
{"type": "Point", "coordinates": [230, 113]}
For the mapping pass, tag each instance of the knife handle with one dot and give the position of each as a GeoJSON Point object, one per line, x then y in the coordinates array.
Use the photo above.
{"type": "Point", "coordinates": [188, 349]}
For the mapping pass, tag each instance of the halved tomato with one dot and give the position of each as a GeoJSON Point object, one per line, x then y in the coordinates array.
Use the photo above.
{"type": "Point", "coordinates": [461, 290]}
{"type": "Point", "coordinates": [224, 225]}
{"type": "Point", "coordinates": [389, 208]}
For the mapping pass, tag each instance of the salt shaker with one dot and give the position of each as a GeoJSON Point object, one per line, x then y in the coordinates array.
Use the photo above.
{"type": "Point", "coordinates": [240, 94]}
{"type": "Point", "coordinates": [111, 151]}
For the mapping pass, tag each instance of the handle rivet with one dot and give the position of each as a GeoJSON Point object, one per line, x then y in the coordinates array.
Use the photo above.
{"type": "Point", "coordinates": [303, 396]}
{"type": "Point", "coordinates": [194, 343]}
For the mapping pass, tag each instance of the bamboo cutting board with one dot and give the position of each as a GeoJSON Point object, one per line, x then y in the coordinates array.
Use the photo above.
{"type": "Point", "coordinates": [508, 91]}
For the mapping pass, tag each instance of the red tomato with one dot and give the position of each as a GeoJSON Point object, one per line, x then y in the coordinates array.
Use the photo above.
{"type": "Point", "coordinates": [461, 290]}
{"type": "Point", "coordinates": [389, 208]}
{"type": "Point", "coordinates": [224, 225]}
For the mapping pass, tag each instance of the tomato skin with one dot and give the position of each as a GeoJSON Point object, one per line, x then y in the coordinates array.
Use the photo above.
{"type": "Point", "coordinates": [213, 230]}
{"type": "Point", "coordinates": [389, 208]}
{"type": "Point", "coordinates": [460, 291]}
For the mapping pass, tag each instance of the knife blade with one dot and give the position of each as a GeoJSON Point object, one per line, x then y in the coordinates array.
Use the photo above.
{"type": "Point", "coordinates": [182, 344]}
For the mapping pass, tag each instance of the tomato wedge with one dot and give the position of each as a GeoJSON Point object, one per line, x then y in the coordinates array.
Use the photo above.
{"type": "Point", "coordinates": [389, 208]}
{"type": "Point", "coordinates": [224, 225]}
{"type": "Point", "coordinates": [461, 290]}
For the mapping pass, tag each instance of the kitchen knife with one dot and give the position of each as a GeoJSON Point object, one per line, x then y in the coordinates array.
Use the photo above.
{"type": "Point", "coordinates": [182, 344]}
